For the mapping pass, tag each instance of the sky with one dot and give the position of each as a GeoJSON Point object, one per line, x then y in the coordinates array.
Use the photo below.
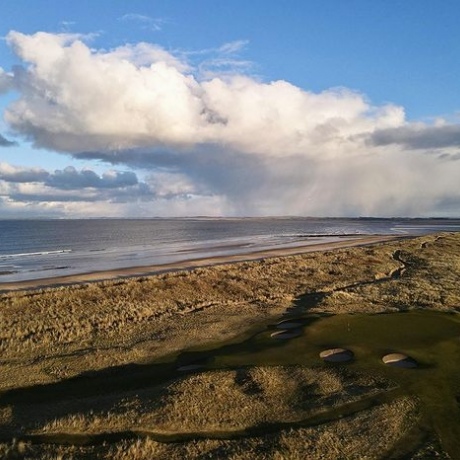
{"type": "Point", "coordinates": [148, 108]}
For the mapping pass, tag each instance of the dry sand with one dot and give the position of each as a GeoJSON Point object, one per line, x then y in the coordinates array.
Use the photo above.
{"type": "Point", "coordinates": [187, 265]}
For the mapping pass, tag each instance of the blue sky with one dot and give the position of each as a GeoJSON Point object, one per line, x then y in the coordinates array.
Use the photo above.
{"type": "Point", "coordinates": [363, 119]}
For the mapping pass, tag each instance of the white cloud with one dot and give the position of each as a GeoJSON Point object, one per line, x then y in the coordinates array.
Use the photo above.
{"type": "Point", "coordinates": [74, 98]}
{"type": "Point", "coordinates": [145, 54]}
{"type": "Point", "coordinates": [146, 22]}
{"type": "Point", "coordinates": [233, 47]}
{"type": "Point", "coordinates": [66, 25]}
{"type": "Point", "coordinates": [6, 81]}
{"type": "Point", "coordinates": [16, 174]}
{"type": "Point", "coordinates": [253, 147]}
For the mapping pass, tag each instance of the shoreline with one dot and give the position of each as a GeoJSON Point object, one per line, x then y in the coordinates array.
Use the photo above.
{"type": "Point", "coordinates": [190, 264]}
{"type": "Point", "coordinates": [105, 358]}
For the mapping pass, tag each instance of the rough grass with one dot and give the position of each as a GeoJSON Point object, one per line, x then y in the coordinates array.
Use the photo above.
{"type": "Point", "coordinates": [131, 320]}
{"type": "Point", "coordinates": [50, 335]}
{"type": "Point", "coordinates": [214, 401]}
{"type": "Point", "coordinates": [430, 281]}
{"type": "Point", "coordinates": [369, 435]}
{"type": "Point", "coordinates": [371, 432]}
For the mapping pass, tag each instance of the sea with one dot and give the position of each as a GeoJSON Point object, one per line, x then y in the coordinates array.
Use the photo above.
{"type": "Point", "coordinates": [36, 249]}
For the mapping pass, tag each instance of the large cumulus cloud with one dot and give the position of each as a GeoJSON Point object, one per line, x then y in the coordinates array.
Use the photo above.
{"type": "Point", "coordinates": [256, 147]}
{"type": "Point", "coordinates": [74, 98]}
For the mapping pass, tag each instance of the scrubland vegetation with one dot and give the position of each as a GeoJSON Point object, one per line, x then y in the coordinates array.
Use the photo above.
{"type": "Point", "coordinates": [211, 402]}
{"type": "Point", "coordinates": [367, 434]}
{"type": "Point", "coordinates": [50, 337]}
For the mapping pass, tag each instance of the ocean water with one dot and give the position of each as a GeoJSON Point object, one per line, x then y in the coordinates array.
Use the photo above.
{"type": "Point", "coordinates": [34, 249]}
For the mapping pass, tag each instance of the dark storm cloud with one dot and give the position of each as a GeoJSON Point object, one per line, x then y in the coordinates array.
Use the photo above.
{"type": "Point", "coordinates": [71, 179]}
{"type": "Point", "coordinates": [211, 168]}
{"type": "Point", "coordinates": [22, 184]}
{"type": "Point", "coordinates": [419, 137]}
{"type": "Point", "coordinates": [68, 178]}
{"type": "Point", "coordinates": [140, 192]}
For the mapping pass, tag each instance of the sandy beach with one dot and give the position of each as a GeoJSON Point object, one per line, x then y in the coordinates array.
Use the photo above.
{"type": "Point", "coordinates": [188, 264]}
{"type": "Point", "coordinates": [178, 361]}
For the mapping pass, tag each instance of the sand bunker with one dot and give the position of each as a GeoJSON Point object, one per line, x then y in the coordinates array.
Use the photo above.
{"type": "Point", "coordinates": [286, 334]}
{"type": "Point", "coordinates": [336, 355]}
{"type": "Point", "coordinates": [289, 324]}
{"type": "Point", "coordinates": [399, 360]}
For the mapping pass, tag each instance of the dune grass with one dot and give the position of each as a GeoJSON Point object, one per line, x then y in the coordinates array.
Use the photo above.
{"type": "Point", "coordinates": [363, 435]}
{"type": "Point", "coordinates": [49, 336]}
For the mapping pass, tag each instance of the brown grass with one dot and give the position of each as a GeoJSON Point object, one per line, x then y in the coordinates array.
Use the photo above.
{"type": "Point", "coordinates": [368, 435]}
{"type": "Point", "coordinates": [430, 281]}
{"type": "Point", "coordinates": [132, 320]}
{"type": "Point", "coordinates": [214, 401]}
{"type": "Point", "coordinates": [50, 335]}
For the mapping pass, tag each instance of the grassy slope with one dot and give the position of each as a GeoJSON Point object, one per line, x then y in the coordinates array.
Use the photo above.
{"type": "Point", "coordinates": [50, 335]}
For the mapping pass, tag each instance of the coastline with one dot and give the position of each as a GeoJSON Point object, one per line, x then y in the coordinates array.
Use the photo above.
{"type": "Point", "coordinates": [189, 264]}
{"type": "Point", "coordinates": [118, 368]}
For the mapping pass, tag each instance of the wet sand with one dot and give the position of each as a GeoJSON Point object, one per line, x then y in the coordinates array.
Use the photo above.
{"type": "Point", "coordinates": [147, 270]}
